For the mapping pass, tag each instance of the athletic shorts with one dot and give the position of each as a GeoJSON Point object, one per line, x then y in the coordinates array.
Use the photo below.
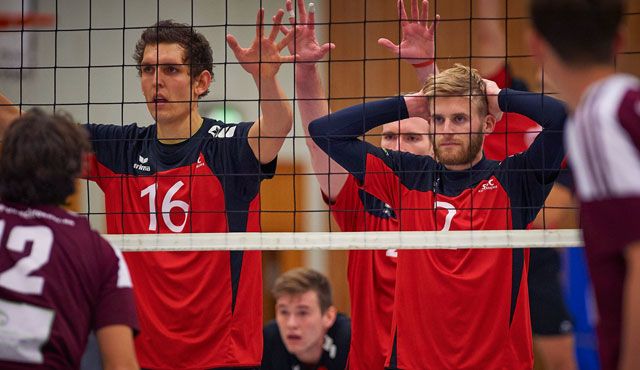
{"type": "Point", "coordinates": [549, 314]}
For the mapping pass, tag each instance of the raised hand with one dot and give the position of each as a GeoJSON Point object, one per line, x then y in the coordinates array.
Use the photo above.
{"type": "Point", "coordinates": [493, 91]}
{"type": "Point", "coordinates": [304, 44]}
{"type": "Point", "coordinates": [418, 38]}
{"type": "Point", "coordinates": [263, 59]}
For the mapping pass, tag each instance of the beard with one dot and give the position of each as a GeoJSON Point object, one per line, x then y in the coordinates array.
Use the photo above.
{"type": "Point", "coordinates": [462, 156]}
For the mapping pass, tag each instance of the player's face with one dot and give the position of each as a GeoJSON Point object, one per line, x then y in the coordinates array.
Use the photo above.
{"type": "Point", "coordinates": [302, 324]}
{"type": "Point", "coordinates": [458, 132]}
{"type": "Point", "coordinates": [169, 90]}
{"type": "Point", "coordinates": [409, 135]}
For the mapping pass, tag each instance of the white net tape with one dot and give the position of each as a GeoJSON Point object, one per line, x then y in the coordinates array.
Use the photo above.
{"type": "Point", "coordinates": [348, 240]}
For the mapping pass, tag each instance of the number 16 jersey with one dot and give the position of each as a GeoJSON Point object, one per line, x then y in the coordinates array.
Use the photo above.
{"type": "Point", "coordinates": [196, 309]}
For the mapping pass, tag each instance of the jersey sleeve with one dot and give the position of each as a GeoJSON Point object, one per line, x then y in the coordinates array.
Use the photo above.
{"type": "Point", "coordinates": [234, 160]}
{"type": "Point", "coordinates": [115, 304]}
{"type": "Point", "coordinates": [378, 171]}
{"type": "Point", "coordinates": [529, 176]}
{"type": "Point", "coordinates": [347, 206]}
{"type": "Point", "coordinates": [110, 144]}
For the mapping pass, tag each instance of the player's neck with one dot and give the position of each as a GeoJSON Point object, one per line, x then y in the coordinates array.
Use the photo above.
{"type": "Point", "coordinates": [179, 130]}
{"type": "Point", "coordinates": [311, 356]}
{"type": "Point", "coordinates": [574, 83]}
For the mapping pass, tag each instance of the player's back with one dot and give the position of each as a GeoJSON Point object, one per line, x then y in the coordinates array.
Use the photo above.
{"type": "Point", "coordinates": [58, 280]}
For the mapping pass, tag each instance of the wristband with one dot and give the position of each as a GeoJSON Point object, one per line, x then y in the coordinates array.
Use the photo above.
{"type": "Point", "coordinates": [423, 64]}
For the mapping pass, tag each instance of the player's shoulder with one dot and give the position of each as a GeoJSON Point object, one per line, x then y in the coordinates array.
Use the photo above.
{"type": "Point", "coordinates": [341, 327]}
{"type": "Point", "coordinates": [120, 131]}
{"type": "Point", "coordinates": [216, 129]}
{"type": "Point", "coordinates": [271, 332]}
{"type": "Point", "coordinates": [629, 105]}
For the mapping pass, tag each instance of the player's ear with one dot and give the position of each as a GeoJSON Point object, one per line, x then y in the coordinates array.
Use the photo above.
{"type": "Point", "coordinates": [329, 317]}
{"type": "Point", "coordinates": [201, 83]}
{"type": "Point", "coordinates": [489, 124]}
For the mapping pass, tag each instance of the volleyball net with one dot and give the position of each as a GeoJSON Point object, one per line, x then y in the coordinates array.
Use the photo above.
{"type": "Point", "coordinates": [76, 56]}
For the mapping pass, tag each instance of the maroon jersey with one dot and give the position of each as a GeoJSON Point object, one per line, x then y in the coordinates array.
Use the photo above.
{"type": "Point", "coordinates": [603, 143]}
{"type": "Point", "coordinates": [196, 309]}
{"type": "Point", "coordinates": [371, 275]}
{"type": "Point", "coordinates": [58, 281]}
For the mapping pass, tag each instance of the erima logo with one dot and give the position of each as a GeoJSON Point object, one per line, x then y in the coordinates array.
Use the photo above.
{"type": "Point", "coordinates": [221, 133]}
{"type": "Point", "coordinates": [489, 185]}
{"type": "Point", "coordinates": [141, 166]}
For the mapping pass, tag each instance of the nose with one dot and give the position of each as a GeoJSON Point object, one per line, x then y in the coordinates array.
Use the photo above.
{"type": "Point", "coordinates": [156, 78]}
{"type": "Point", "coordinates": [292, 321]}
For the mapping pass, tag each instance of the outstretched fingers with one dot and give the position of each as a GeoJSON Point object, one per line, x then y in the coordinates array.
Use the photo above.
{"type": "Point", "coordinates": [402, 13]}
{"type": "Point", "coordinates": [285, 40]}
{"type": "Point", "coordinates": [302, 12]}
{"type": "Point", "coordinates": [233, 44]}
{"type": "Point", "coordinates": [424, 16]}
{"type": "Point", "coordinates": [277, 22]}
{"type": "Point", "coordinates": [260, 23]}
{"type": "Point", "coordinates": [415, 12]}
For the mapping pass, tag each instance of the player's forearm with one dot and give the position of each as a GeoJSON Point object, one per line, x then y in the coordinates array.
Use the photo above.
{"type": "Point", "coordinates": [629, 356]}
{"type": "Point", "coordinates": [116, 348]}
{"type": "Point", "coordinates": [546, 111]}
{"type": "Point", "coordinates": [423, 73]}
{"type": "Point", "coordinates": [277, 118]}
{"type": "Point", "coordinates": [337, 134]}
{"type": "Point", "coordinates": [489, 41]}
{"type": "Point", "coordinates": [313, 104]}
{"type": "Point", "coordinates": [547, 151]}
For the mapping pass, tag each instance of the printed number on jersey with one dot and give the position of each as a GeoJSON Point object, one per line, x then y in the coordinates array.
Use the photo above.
{"type": "Point", "coordinates": [25, 328]}
{"type": "Point", "coordinates": [451, 211]}
{"type": "Point", "coordinates": [168, 203]}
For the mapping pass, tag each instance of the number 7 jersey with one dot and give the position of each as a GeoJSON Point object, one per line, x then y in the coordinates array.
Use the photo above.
{"type": "Point", "coordinates": [196, 309]}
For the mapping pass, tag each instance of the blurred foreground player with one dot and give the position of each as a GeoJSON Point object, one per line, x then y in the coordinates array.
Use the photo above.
{"type": "Point", "coordinates": [58, 278]}
{"type": "Point", "coordinates": [576, 41]}
{"type": "Point", "coordinates": [307, 333]}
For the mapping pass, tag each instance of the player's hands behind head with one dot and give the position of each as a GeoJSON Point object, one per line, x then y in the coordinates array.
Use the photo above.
{"type": "Point", "coordinates": [493, 90]}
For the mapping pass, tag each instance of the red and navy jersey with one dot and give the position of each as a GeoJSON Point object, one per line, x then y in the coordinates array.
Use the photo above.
{"type": "Point", "coordinates": [455, 308]}
{"type": "Point", "coordinates": [603, 143]}
{"type": "Point", "coordinates": [335, 348]}
{"type": "Point", "coordinates": [514, 132]}
{"type": "Point", "coordinates": [371, 275]}
{"type": "Point", "coordinates": [197, 309]}
{"type": "Point", "coordinates": [59, 280]}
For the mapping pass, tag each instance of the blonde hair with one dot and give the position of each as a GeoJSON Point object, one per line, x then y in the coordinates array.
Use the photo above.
{"type": "Point", "coordinates": [459, 81]}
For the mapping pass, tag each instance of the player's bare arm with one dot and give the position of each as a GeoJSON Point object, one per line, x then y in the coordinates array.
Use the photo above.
{"type": "Point", "coordinates": [417, 46]}
{"type": "Point", "coordinates": [116, 347]}
{"type": "Point", "coordinates": [629, 357]}
{"type": "Point", "coordinates": [263, 60]}
{"type": "Point", "coordinates": [489, 40]}
{"type": "Point", "coordinates": [310, 94]}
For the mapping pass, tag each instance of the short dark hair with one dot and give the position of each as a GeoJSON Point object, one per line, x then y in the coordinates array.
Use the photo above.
{"type": "Point", "coordinates": [41, 156]}
{"type": "Point", "coordinates": [199, 55]}
{"type": "Point", "coordinates": [579, 31]}
{"type": "Point", "coordinates": [301, 280]}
